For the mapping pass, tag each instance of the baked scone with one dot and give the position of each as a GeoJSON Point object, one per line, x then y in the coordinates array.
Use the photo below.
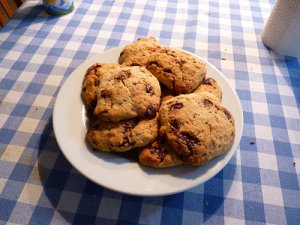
{"type": "Point", "coordinates": [177, 70]}
{"type": "Point", "coordinates": [158, 155]}
{"type": "Point", "coordinates": [122, 136]}
{"type": "Point", "coordinates": [126, 93]}
{"type": "Point", "coordinates": [197, 127]}
{"type": "Point", "coordinates": [210, 85]}
{"type": "Point", "coordinates": [92, 81]}
{"type": "Point", "coordinates": [137, 54]}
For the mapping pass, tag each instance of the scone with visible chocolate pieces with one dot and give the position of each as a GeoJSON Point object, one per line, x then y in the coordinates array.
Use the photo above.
{"type": "Point", "coordinates": [158, 155]}
{"type": "Point", "coordinates": [197, 127]}
{"type": "Point", "coordinates": [92, 80]}
{"type": "Point", "coordinates": [210, 85]}
{"type": "Point", "coordinates": [137, 54]}
{"type": "Point", "coordinates": [122, 136]}
{"type": "Point", "coordinates": [126, 93]}
{"type": "Point", "coordinates": [177, 70]}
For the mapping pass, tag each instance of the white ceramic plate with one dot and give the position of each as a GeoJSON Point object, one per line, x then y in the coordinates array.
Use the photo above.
{"type": "Point", "coordinates": [119, 173]}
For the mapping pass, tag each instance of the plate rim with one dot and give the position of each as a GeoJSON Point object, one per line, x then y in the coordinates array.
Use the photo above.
{"type": "Point", "coordinates": [224, 163]}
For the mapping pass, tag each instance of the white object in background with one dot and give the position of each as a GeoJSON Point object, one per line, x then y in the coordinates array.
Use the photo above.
{"type": "Point", "coordinates": [282, 30]}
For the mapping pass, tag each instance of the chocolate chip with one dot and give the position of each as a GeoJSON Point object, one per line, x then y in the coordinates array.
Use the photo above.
{"type": "Point", "coordinates": [207, 102]}
{"type": "Point", "coordinates": [135, 64]}
{"type": "Point", "coordinates": [150, 111]}
{"type": "Point", "coordinates": [121, 53]}
{"type": "Point", "coordinates": [129, 125]}
{"type": "Point", "coordinates": [167, 71]}
{"type": "Point", "coordinates": [153, 63]}
{"type": "Point", "coordinates": [208, 81]}
{"type": "Point", "coordinates": [174, 126]}
{"type": "Point", "coordinates": [96, 126]}
{"type": "Point", "coordinates": [83, 89]}
{"type": "Point", "coordinates": [96, 82]}
{"type": "Point", "coordinates": [125, 142]}
{"type": "Point", "coordinates": [123, 75]}
{"type": "Point", "coordinates": [177, 105]}
{"type": "Point", "coordinates": [148, 89]}
{"type": "Point", "coordinates": [227, 114]}
{"type": "Point", "coordinates": [105, 93]}
{"type": "Point", "coordinates": [93, 103]}
{"type": "Point", "coordinates": [156, 150]}
{"type": "Point", "coordinates": [104, 112]}
{"type": "Point", "coordinates": [189, 140]}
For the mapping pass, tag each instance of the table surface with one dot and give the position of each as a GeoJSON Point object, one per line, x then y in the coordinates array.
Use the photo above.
{"type": "Point", "coordinates": [260, 185]}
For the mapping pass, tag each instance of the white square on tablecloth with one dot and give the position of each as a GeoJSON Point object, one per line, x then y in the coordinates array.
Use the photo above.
{"type": "Point", "coordinates": [42, 101]}
{"type": "Point", "coordinates": [12, 153]}
{"type": "Point", "coordinates": [236, 190]}
{"type": "Point", "coordinates": [31, 194]}
{"type": "Point", "coordinates": [69, 201]}
{"type": "Point", "coordinates": [272, 195]}
{"type": "Point", "coordinates": [263, 132]}
{"type": "Point", "coordinates": [13, 96]}
{"type": "Point", "coordinates": [267, 161]}
{"type": "Point", "coordinates": [28, 125]}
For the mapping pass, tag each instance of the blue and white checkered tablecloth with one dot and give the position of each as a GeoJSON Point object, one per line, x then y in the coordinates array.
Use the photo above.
{"type": "Point", "coordinates": [260, 185]}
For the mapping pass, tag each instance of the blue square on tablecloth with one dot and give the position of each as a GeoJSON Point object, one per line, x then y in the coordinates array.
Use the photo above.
{"type": "Point", "coordinates": [6, 168]}
{"type": "Point", "coordinates": [57, 179]}
{"type": "Point", "coordinates": [254, 211]}
{"type": "Point", "coordinates": [6, 207]}
{"type": "Point", "coordinates": [88, 205]}
{"type": "Point", "coordinates": [21, 172]}
{"type": "Point", "coordinates": [6, 84]}
{"type": "Point", "coordinates": [105, 221]}
{"type": "Point", "coordinates": [89, 39]}
{"type": "Point", "coordinates": [7, 45]}
{"type": "Point", "coordinates": [6, 135]}
{"type": "Point", "coordinates": [31, 49]}
{"type": "Point", "coordinates": [65, 37]}
{"type": "Point", "coordinates": [214, 186]}
{"type": "Point", "coordinates": [141, 31]}
{"type": "Point", "coordinates": [53, 52]}
{"type": "Point", "coordinates": [288, 180]}
{"type": "Point", "coordinates": [92, 188]}
{"type": "Point", "coordinates": [41, 215]}
{"type": "Point", "coordinates": [193, 201]}
{"type": "Point", "coordinates": [213, 205]}
{"type": "Point", "coordinates": [45, 69]}
{"type": "Point", "coordinates": [165, 34]}
{"type": "Point", "coordinates": [22, 213]}
{"type": "Point", "coordinates": [41, 34]}
{"type": "Point", "coordinates": [283, 148]}
{"type": "Point", "coordinates": [146, 18]}
{"type": "Point", "coordinates": [34, 88]}
{"type": "Point", "coordinates": [244, 94]}
{"type": "Point", "coordinates": [19, 65]}
{"type": "Point", "coordinates": [12, 190]}
{"type": "Point", "coordinates": [130, 209]}
{"type": "Point", "coordinates": [174, 201]}
{"type": "Point", "coordinates": [250, 175]}
{"type": "Point", "coordinates": [292, 215]}
{"type": "Point", "coordinates": [273, 98]}
{"type": "Point", "coordinates": [269, 79]}
{"type": "Point", "coordinates": [248, 118]}
{"type": "Point", "coordinates": [171, 216]}
{"type": "Point", "coordinates": [278, 121]}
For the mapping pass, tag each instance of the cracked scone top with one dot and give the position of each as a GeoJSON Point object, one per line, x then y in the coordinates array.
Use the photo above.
{"type": "Point", "coordinates": [126, 93]}
{"type": "Point", "coordinates": [197, 127]}
{"type": "Point", "coordinates": [177, 70]}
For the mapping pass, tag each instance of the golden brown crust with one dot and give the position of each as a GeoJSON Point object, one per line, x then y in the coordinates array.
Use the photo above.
{"type": "Point", "coordinates": [158, 155]}
{"type": "Point", "coordinates": [92, 80]}
{"type": "Point", "coordinates": [210, 85]}
{"type": "Point", "coordinates": [197, 127]}
{"type": "Point", "coordinates": [177, 70]}
{"type": "Point", "coordinates": [122, 136]}
{"type": "Point", "coordinates": [137, 54]}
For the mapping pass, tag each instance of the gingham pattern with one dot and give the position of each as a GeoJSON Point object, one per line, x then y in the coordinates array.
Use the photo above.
{"type": "Point", "coordinates": [260, 185]}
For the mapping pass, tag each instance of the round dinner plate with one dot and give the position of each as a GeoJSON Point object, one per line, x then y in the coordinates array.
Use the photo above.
{"type": "Point", "coordinates": [123, 174]}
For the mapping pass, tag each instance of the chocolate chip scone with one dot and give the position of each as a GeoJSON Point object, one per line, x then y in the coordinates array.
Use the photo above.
{"type": "Point", "coordinates": [210, 85]}
{"type": "Point", "coordinates": [197, 127]}
{"type": "Point", "coordinates": [158, 155]}
{"type": "Point", "coordinates": [92, 81]}
{"type": "Point", "coordinates": [137, 54]}
{"type": "Point", "coordinates": [126, 93]}
{"type": "Point", "coordinates": [177, 70]}
{"type": "Point", "coordinates": [122, 136]}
